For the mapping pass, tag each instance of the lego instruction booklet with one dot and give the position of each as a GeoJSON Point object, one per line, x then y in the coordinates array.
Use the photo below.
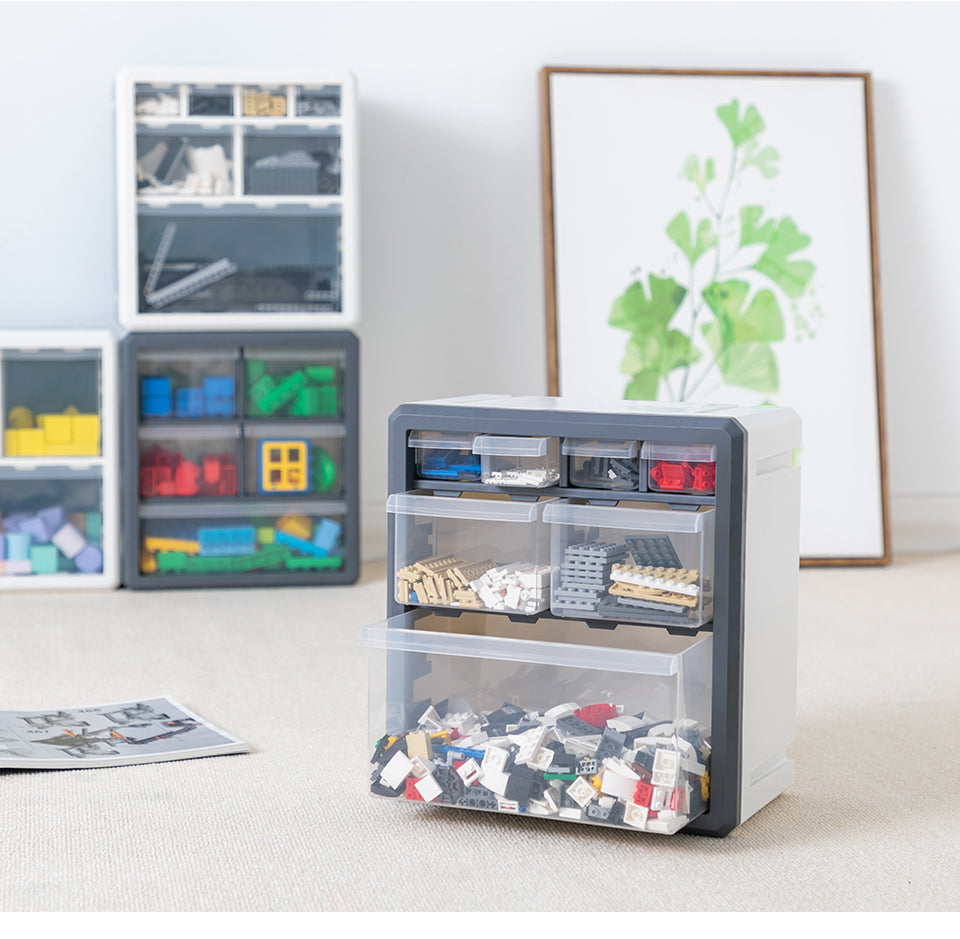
{"type": "Point", "coordinates": [147, 730]}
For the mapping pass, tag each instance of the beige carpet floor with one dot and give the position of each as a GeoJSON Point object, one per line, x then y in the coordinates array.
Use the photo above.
{"type": "Point", "coordinates": [870, 824]}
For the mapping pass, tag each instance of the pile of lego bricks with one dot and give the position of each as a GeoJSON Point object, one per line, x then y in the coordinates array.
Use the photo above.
{"type": "Point", "coordinates": [309, 391]}
{"type": "Point", "coordinates": [50, 541]}
{"type": "Point", "coordinates": [593, 580]}
{"type": "Point", "coordinates": [168, 473]}
{"type": "Point", "coordinates": [537, 477]}
{"type": "Point", "coordinates": [213, 398]}
{"type": "Point", "coordinates": [587, 764]}
{"type": "Point", "coordinates": [603, 472]}
{"type": "Point", "coordinates": [478, 585]}
{"type": "Point", "coordinates": [68, 434]}
{"type": "Point", "coordinates": [293, 542]}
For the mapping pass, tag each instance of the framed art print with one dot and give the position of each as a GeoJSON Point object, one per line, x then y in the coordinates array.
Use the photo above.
{"type": "Point", "coordinates": [711, 237]}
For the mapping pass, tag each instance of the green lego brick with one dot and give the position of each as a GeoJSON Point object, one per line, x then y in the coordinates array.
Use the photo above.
{"type": "Point", "coordinates": [258, 392]}
{"type": "Point", "coordinates": [325, 472]}
{"type": "Point", "coordinates": [256, 368]}
{"type": "Point", "coordinates": [328, 401]}
{"type": "Point", "coordinates": [306, 403]}
{"type": "Point", "coordinates": [171, 562]}
{"type": "Point", "coordinates": [283, 393]}
{"type": "Point", "coordinates": [308, 562]}
{"type": "Point", "coordinates": [43, 558]}
{"type": "Point", "coordinates": [265, 535]}
{"type": "Point", "coordinates": [321, 374]}
{"type": "Point", "coordinates": [93, 527]}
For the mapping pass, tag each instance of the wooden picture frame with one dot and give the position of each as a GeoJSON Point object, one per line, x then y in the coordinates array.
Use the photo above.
{"type": "Point", "coordinates": [711, 236]}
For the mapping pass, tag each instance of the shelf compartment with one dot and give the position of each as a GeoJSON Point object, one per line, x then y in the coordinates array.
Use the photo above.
{"type": "Point", "coordinates": [185, 161]}
{"type": "Point", "coordinates": [631, 565]}
{"type": "Point", "coordinates": [442, 456]}
{"type": "Point", "coordinates": [264, 101]}
{"type": "Point", "coordinates": [50, 524]}
{"type": "Point", "coordinates": [254, 539]}
{"type": "Point", "coordinates": [210, 100]}
{"type": "Point", "coordinates": [303, 163]}
{"type": "Point", "coordinates": [318, 100]}
{"type": "Point", "coordinates": [602, 464]}
{"type": "Point", "coordinates": [551, 719]}
{"type": "Point", "coordinates": [470, 553]}
{"type": "Point", "coordinates": [287, 459]}
{"type": "Point", "coordinates": [252, 261]}
{"type": "Point", "coordinates": [50, 404]}
{"type": "Point", "coordinates": [189, 462]}
{"type": "Point", "coordinates": [689, 468]}
{"type": "Point", "coordinates": [530, 462]}
{"type": "Point", "coordinates": [288, 383]}
{"type": "Point", "coordinates": [158, 100]}
{"type": "Point", "coordinates": [188, 384]}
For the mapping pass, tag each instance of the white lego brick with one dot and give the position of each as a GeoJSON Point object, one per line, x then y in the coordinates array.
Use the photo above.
{"type": "Point", "coordinates": [528, 742]}
{"type": "Point", "coordinates": [494, 759]}
{"type": "Point", "coordinates": [495, 780]}
{"type": "Point", "coordinates": [625, 723]}
{"type": "Point", "coordinates": [606, 802]}
{"type": "Point", "coordinates": [582, 746]}
{"type": "Point", "coordinates": [396, 771]}
{"type": "Point", "coordinates": [581, 792]}
{"type": "Point", "coordinates": [422, 767]}
{"type": "Point", "coordinates": [542, 760]}
{"type": "Point", "coordinates": [561, 710]}
{"type": "Point", "coordinates": [660, 798]}
{"type": "Point", "coordinates": [428, 788]}
{"type": "Point", "coordinates": [508, 805]}
{"type": "Point", "coordinates": [69, 541]}
{"type": "Point", "coordinates": [430, 719]}
{"type": "Point", "coordinates": [571, 813]}
{"type": "Point", "coordinates": [666, 765]}
{"type": "Point", "coordinates": [635, 815]}
{"type": "Point", "coordinates": [469, 772]}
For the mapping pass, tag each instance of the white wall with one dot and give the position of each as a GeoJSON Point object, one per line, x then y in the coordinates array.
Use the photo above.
{"type": "Point", "coordinates": [450, 179]}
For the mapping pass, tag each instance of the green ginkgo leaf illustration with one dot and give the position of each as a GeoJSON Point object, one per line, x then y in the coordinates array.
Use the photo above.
{"type": "Point", "coordinates": [742, 128]}
{"type": "Point", "coordinates": [679, 232]}
{"type": "Point", "coordinates": [764, 160]}
{"type": "Point", "coordinates": [762, 319]}
{"type": "Point", "coordinates": [750, 232]}
{"type": "Point", "coordinates": [747, 364]}
{"type": "Point", "coordinates": [792, 277]}
{"type": "Point", "coordinates": [701, 177]}
{"type": "Point", "coordinates": [635, 311]}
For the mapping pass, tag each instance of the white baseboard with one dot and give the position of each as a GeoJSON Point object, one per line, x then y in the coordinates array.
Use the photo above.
{"type": "Point", "coordinates": [925, 524]}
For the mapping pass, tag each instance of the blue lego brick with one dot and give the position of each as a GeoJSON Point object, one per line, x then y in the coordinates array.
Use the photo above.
{"type": "Point", "coordinates": [298, 544]}
{"type": "Point", "coordinates": [223, 542]}
{"type": "Point", "coordinates": [218, 397]}
{"type": "Point", "coordinates": [156, 397]}
{"type": "Point", "coordinates": [189, 402]}
{"type": "Point", "coordinates": [327, 535]}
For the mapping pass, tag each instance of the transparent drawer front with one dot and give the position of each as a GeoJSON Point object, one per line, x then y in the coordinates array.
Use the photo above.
{"type": "Point", "coordinates": [605, 728]}
{"type": "Point", "coordinates": [518, 461]}
{"type": "Point", "coordinates": [307, 164]}
{"type": "Point", "coordinates": [192, 163]}
{"type": "Point", "coordinates": [286, 459]}
{"type": "Point", "coordinates": [318, 101]}
{"type": "Point", "coordinates": [239, 260]}
{"type": "Point", "coordinates": [211, 100]}
{"type": "Point", "coordinates": [191, 462]}
{"type": "Point", "coordinates": [50, 526]}
{"type": "Point", "coordinates": [470, 553]}
{"type": "Point", "coordinates": [679, 467]}
{"type": "Point", "coordinates": [300, 539]}
{"type": "Point", "coordinates": [445, 456]}
{"type": "Point", "coordinates": [264, 101]}
{"type": "Point", "coordinates": [603, 464]}
{"type": "Point", "coordinates": [157, 100]}
{"type": "Point", "coordinates": [51, 404]}
{"type": "Point", "coordinates": [287, 383]}
{"type": "Point", "coordinates": [631, 565]}
{"type": "Point", "coordinates": [188, 385]}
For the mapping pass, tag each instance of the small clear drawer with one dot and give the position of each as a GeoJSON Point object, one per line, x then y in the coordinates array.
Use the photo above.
{"type": "Point", "coordinates": [631, 565]}
{"type": "Point", "coordinates": [445, 456]}
{"type": "Point", "coordinates": [603, 464]}
{"type": "Point", "coordinates": [470, 553]}
{"type": "Point", "coordinates": [689, 468]}
{"type": "Point", "coordinates": [532, 462]}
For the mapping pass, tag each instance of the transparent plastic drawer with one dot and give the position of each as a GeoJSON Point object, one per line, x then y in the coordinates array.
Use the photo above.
{"type": "Point", "coordinates": [518, 461]}
{"type": "Point", "coordinates": [188, 384]}
{"type": "Point", "coordinates": [264, 101]}
{"type": "Point", "coordinates": [194, 162]}
{"type": "Point", "coordinates": [240, 259]}
{"type": "Point", "coordinates": [302, 164]}
{"type": "Point", "coordinates": [51, 404]}
{"type": "Point", "coordinates": [631, 565]}
{"type": "Point", "coordinates": [602, 464]}
{"type": "Point", "coordinates": [689, 468]}
{"type": "Point", "coordinates": [603, 727]}
{"type": "Point", "coordinates": [318, 100]}
{"type": "Point", "coordinates": [287, 460]}
{"type": "Point", "coordinates": [264, 540]}
{"type": "Point", "coordinates": [291, 384]}
{"type": "Point", "coordinates": [189, 462]}
{"type": "Point", "coordinates": [50, 525]}
{"type": "Point", "coordinates": [210, 101]}
{"type": "Point", "coordinates": [157, 100]}
{"type": "Point", "coordinates": [445, 456]}
{"type": "Point", "coordinates": [470, 553]}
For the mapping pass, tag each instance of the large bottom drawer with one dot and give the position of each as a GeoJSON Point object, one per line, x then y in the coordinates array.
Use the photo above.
{"type": "Point", "coordinates": [552, 719]}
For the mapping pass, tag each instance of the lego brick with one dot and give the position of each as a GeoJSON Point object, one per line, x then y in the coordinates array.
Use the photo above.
{"type": "Point", "coordinates": [43, 559]}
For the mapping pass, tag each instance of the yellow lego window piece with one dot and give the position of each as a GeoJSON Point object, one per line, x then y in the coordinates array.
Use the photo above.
{"type": "Point", "coordinates": [283, 466]}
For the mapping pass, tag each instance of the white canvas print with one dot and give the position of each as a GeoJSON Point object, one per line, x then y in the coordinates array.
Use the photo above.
{"type": "Point", "coordinates": [713, 241]}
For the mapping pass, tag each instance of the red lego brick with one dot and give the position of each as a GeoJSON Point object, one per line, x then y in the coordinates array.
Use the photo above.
{"type": "Point", "coordinates": [644, 794]}
{"type": "Point", "coordinates": [185, 479]}
{"type": "Point", "coordinates": [596, 715]}
{"type": "Point", "coordinates": [672, 477]}
{"type": "Point", "coordinates": [705, 477]}
{"type": "Point", "coordinates": [411, 790]}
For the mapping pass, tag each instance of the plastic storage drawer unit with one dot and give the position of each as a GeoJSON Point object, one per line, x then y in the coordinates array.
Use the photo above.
{"type": "Point", "coordinates": [631, 565]}
{"type": "Point", "coordinates": [470, 553]}
{"type": "Point", "coordinates": [600, 727]}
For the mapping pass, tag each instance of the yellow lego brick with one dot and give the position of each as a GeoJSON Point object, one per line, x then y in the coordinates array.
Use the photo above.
{"type": "Point", "coordinates": [265, 536]}
{"type": "Point", "coordinates": [86, 433]}
{"type": "Point", "coordinates": [27, 442]}
{"type": "Point", "coordinates": [148, 563]}
{"type": "Point", "coordinates": [57, 428]}
{"type": "Point", "coordinates": [171, 544]}
{"type": "Point", "coordinates": [20, 418]}
{"type": "Point", "coordinates": [297, 526]}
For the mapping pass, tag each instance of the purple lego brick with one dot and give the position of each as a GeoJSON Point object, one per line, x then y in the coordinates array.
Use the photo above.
{"type": "Point", "coordinates": [89, 560]}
